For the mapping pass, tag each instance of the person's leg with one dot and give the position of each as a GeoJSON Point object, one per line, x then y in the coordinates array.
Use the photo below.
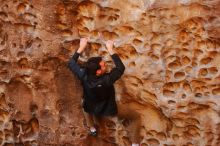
{"type": "Point", "coordinates": [89, 119]}
{"type": "Point", "coordinates": [96, 120]}
{"type": "Point", "coordinates": [134, 129]}
{"type": "Point", "coordinates": [90, 123]}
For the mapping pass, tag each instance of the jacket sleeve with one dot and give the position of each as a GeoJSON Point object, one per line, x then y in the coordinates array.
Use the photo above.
{"type": "Point", "coordinates": [74, 67]}
{"type": "Point", "coordinates": [116, 72]}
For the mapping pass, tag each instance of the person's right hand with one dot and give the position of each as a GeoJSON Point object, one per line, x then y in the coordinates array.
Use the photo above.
{"type": "Point", "coordinates": [109, 45]}
{"type": "Point", "coordinates": [82, 45]}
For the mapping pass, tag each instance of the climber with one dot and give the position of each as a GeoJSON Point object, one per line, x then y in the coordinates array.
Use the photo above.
{"type": "Point", "coordinates": [98, 90]}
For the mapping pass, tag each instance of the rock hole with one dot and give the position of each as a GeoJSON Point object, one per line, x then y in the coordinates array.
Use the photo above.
{"type": "Point", "coordinates": [198, 95]}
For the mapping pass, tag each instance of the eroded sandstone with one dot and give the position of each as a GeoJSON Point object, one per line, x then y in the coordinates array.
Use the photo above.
{"type": "Point", "coordinates": [171, 50]}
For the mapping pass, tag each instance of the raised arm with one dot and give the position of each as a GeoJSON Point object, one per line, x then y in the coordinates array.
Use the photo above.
{"type": "Point", "coordinates": [118, 71]}
{"type": "Point", "coordinates": [72, 64]}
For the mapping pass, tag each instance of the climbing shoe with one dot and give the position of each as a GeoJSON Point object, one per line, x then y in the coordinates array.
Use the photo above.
{"type": "Point", "coordinates": [93, 133]}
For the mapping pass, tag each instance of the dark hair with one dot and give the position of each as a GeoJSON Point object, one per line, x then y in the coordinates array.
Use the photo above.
{"type": "Point", "coordinates": [92, 65]}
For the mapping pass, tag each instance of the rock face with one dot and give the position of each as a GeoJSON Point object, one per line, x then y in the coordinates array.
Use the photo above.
{"type": "Point", "coordinates": [171, 50]}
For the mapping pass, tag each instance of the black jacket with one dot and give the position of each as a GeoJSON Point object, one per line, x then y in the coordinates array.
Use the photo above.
{"type": "Point", "coordinates": [99, 92]}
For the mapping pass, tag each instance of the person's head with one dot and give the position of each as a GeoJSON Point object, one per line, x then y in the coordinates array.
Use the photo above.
{"type": "Point", "coordinates": [96, 66]}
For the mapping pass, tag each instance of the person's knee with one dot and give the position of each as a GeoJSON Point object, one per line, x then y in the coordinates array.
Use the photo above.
{"type": "Point", "coordinates": [136, 117]}
{"type": "Point", "coordinates": [129, 114]}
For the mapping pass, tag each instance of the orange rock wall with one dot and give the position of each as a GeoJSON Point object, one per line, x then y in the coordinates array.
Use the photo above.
{"type": "Point", "coordinates": [171, 50]}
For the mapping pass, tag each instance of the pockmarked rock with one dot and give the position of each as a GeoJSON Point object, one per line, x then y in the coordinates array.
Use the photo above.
{"type": "Point", "coordinates": [171, 50]}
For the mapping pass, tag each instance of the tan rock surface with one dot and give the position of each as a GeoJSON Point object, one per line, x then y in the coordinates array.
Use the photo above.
{"type": "Point", "coordinates": [171, 49]}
